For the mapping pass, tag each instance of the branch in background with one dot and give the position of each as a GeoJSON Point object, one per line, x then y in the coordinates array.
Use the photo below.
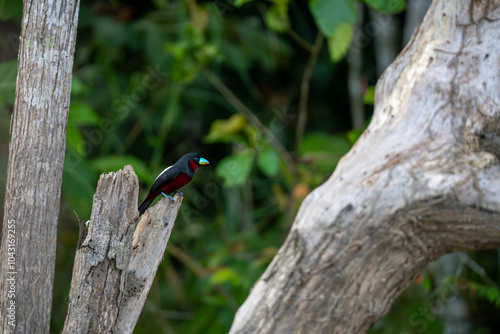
{"type": "Point", "coordinates": [464, 257]}
{"type": "Point", "coordinates": [415, 12]}
{"type": "Point", "coordinates": [199, 271]}
{"type": "Point", "coordinates": [387, 43]}
{"type": "Point", "coordinates": [249, 115]}
{"type": "Point", "coordinates": [354, 79]}
{"type": "Point", "coordinates": [302, 42]}
{"type": "Point", "coordinates": [304, 92]}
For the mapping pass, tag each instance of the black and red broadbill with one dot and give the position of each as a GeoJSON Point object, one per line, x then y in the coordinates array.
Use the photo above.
{"type": "Point", "coordinates": [173, 178]}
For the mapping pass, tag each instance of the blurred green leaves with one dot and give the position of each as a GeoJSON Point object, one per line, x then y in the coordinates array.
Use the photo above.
{"type": "Point", "coordinates": [112, 163]}
{"type": "Point", "coordinates": [228, 130]}
{"type": "Point", "coordinates": [9, 9]}
{"type": "Point", "coordinates": [235, 169]}
{"type": "Point", "coordinates": [8, 73]}
{"type": "Point", "coordinates": [324, 150]}
{"type": "Point", "coordinates": [335, 19]}
{"type": "Point", "coordinates": [387, 6]}
{"type": "Point", "coordinates": [225, 275]}
{"type": "Point", "coordinates": [330, 14]}
{"type": "Point", "coordinates": [268, 161]}
{"type": "Point", "coordinates": [339, 41]}
{"type": "Point", "coordinates": [276, 17]}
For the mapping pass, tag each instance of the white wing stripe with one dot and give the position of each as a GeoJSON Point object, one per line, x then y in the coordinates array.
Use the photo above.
{"type": "Point", "coordinates": [163, 172]}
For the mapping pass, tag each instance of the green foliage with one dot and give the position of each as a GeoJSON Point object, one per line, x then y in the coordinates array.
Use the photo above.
{"type": "Point", "coordinates": [369, 97]}
{"type": "Point", "coordinates": [113, 163]}
{"type": "Point", "coordinates": [324, 150]}
{"type": "Point", "coordinates": [10, 9]}
{"type": "Point", "coordinates": [268, 161]}
{"type": "Point", "coordinates": [8, 73]}
{"type": "Point", "coordinates": [339, 41]}
{"type": "Point", "coordinates": [387, 6]}
{"type": "Point", "coordinates": [335, 19]}
{"type": "Point", "coordinates": [235, 169]}
{"type": "Point", "coordinates": [276, 17]}
{"type": "Point", "coordinates": [233, 129]}
{"type": "Point", "coordinates": [354, 135]}
{"type": "Point", "coordinates": [225, 275]}
{"type": "Point", "coordinates": [330, 14]}
{"type": "Point", "coordinates": [490, 292]}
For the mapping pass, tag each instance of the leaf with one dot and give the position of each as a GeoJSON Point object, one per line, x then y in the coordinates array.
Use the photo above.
{"type": "Point", "coordinates": [225, 275]}
{"type": "Point", "coordinates": [369, 97]}
{"type": "Point", "coordinates": [491, 293]}
{"type": "Point", "coordinates": [339, 41]}
{"type": "Point", "coordinates": [330, 14]}
{"type": "Point", "coordinates": [223, 130]}
{"type": "Point", "coordinates": [277, 18]}
{"type": "Point", "coordinates": [235, 169]}
{"type": "Point", "coordinates": [387, 6]}
{"type": "Point", "coordinates": [354, 135]}
{"type": "Point", "coordinates": [74, 139]}
{"type": "Point", "coordinates": [78, 87]}
{"type": "Point", "coordinates": [427, 283]}
{"type": "Point", "coordinates": [268, 161]}
{"type": "Point", "coordinates": [81, 114]}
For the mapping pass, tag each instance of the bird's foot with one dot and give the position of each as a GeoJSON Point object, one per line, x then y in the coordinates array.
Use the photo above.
{"type": "Point", "coordinates": [171, 198]}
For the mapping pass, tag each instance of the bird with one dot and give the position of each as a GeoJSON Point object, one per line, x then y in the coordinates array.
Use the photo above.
{"type": "Point", "coordinates": [173, 178]}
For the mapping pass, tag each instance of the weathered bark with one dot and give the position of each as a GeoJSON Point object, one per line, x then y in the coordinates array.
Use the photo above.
{"type": "Point", "coordinates": [422, 181]}
{"type": "Point", "coordinates": [115, 266]}
{"type": "Point", "coordinates": [35, 168]}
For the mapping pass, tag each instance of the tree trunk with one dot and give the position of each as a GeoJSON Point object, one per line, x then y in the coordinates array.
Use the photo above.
{"type": "Point", "coordinates": [422, 181]}
{"type": "Point", "coordinates": [115, 264]}
{"type": "Point", "coordinates": [35, 168]}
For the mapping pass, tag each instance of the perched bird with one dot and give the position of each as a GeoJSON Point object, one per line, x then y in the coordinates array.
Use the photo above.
{"type": "Point", "coordinates": [173, 178]}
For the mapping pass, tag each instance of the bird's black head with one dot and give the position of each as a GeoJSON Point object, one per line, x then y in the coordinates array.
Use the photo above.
{"type": "Point", "coordinates": [191, 161]}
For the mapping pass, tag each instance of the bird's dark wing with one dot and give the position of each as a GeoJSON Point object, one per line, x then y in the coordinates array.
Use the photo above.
{"type": "Point", "coordinates": [167, 176]}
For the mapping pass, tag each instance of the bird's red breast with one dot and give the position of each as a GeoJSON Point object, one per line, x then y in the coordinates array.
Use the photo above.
{"type": "Point", "coordinates": [180, 181]}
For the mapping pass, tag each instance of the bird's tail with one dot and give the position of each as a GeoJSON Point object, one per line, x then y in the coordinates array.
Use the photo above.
{"type": "Point", "coordinates": [144, 205]}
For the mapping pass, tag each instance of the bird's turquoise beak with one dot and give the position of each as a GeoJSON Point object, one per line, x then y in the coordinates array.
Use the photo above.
{"type": "Point", "coordinates": [204, 161]}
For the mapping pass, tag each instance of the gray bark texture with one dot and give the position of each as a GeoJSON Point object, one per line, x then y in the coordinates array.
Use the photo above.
{"type": "Point", "coordinates": [35, 167]}
{"type": "Point", "coordinates": [422, 181]}
{"type": "Point", "coordinates": [117, 260]}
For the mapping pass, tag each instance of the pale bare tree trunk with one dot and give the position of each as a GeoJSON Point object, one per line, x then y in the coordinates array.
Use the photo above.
{"type": "Point", "coordinates": [115, 264]}
{"type": "Point", "coordinates": [35, 168]}
{"type": "Point", "coordinates": [422, 181]}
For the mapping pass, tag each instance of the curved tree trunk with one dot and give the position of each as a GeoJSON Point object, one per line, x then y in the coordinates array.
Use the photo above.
{"type": "Point", "coordinates": [35, 168]}
{"type": "Point", "coordinates": [422, 181]}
